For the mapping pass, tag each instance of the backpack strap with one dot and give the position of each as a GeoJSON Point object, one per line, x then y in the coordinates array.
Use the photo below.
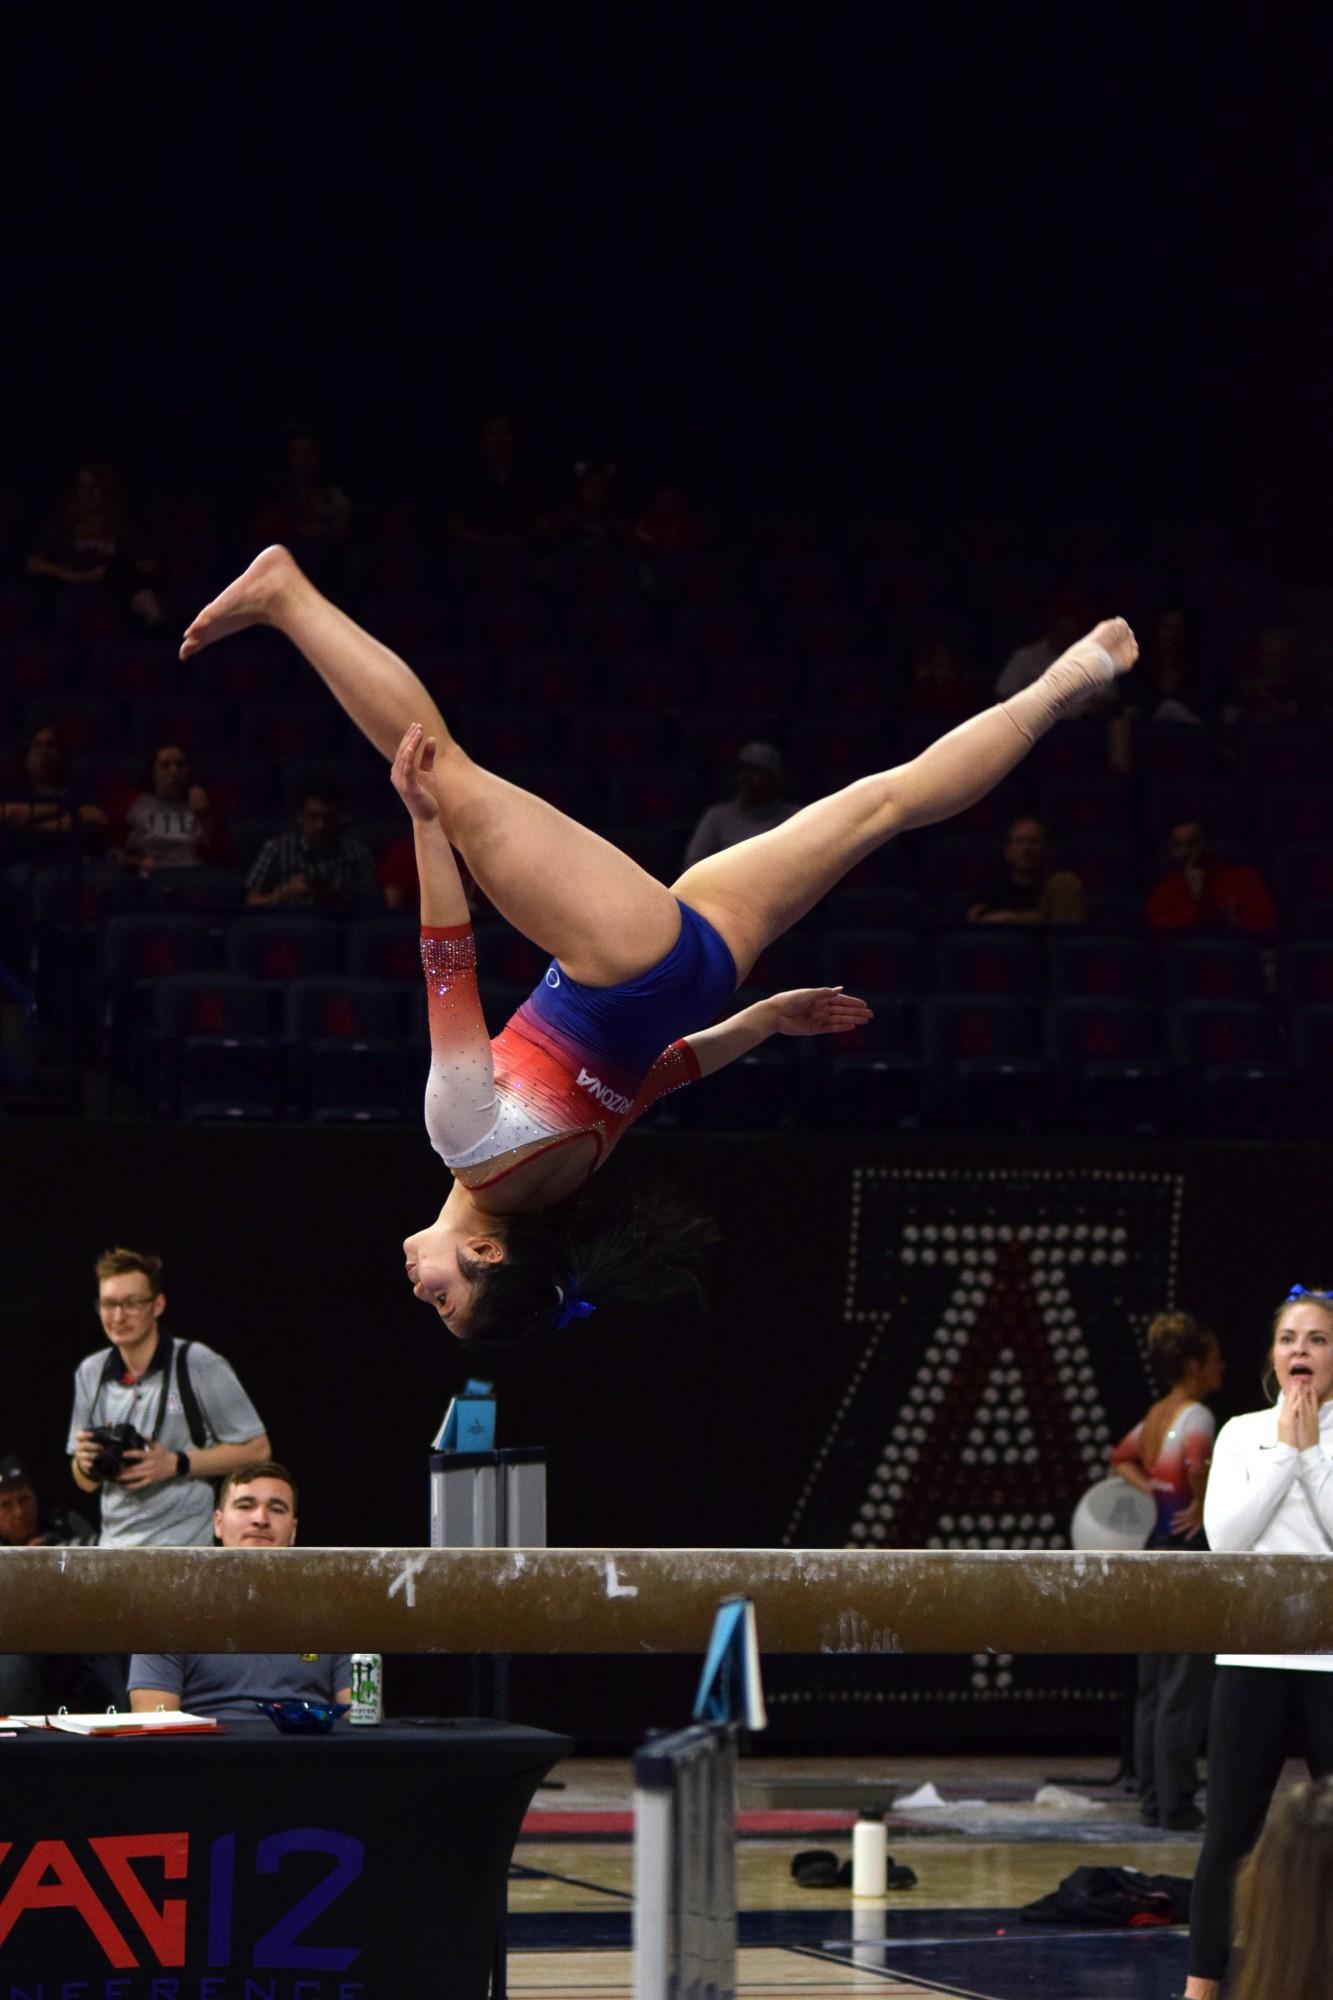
{"type": "Point", "coordinates": [194, 1416]}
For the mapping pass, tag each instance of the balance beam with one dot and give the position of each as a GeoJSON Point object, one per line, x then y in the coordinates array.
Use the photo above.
{"type": "Point", "coordinates": [86, 1600]}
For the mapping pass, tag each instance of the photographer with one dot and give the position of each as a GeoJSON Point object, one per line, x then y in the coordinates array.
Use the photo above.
{"type": "Point", "coordinates": [156, 1419]}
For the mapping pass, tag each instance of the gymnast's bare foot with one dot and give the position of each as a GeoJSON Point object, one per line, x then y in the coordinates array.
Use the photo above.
{"type": "Point", "coordinates": [254, 599]}
{"type": "Point", "coordinates": [1115, 638]}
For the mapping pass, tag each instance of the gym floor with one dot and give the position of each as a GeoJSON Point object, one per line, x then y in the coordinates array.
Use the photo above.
{"type": "Point", "coordinates": [979, 1857]}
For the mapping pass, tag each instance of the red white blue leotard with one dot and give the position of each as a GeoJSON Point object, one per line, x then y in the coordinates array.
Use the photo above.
{"type": "Point", "coordinates": [1187, 1447]}
{"type": "Point", "coordinates": [532, 1083]}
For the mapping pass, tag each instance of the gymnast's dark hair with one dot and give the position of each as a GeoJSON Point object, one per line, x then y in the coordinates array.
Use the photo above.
{"type": "Point", "coordinates": [1174, 1340]}
{"type": "Point", "coordinates": [639, 1244]}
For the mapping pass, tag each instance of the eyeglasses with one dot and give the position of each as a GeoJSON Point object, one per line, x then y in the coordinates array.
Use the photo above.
{"type": "Point", "coordinates": [108, 1306]}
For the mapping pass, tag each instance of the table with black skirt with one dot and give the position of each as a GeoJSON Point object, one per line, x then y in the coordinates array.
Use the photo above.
{"type": "Point", "coordinates": [246, 1865]}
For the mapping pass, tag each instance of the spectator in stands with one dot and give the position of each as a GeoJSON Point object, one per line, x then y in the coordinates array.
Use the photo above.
{"type": "Point", "coordinates": [256, 1510]}
{"type": "Point", "coordinates": [669, 525]}
{"type": "Point", "coordinates": [46, 830]}
{"type": "Point", "coordinates": [306, 510]}
{"type": "Point", "coordinates": [25, 1523]}
{"type": "Point", "coordinates": [397, 875]}
{"type": "Point", "coordinates": [756, 804]}
{"type": "Point", "coordinates": [497, 507]}
{"type": "Point", "coordinates": [170, 825]}
{"type": "Point", "coordinates": [1170, 690]}
{"type": "Point", "coordinates": [42, 819]}
{"type": "Point", "coordinates": [32, 1683]}
{"type": "Point", "coordinates": [179, 1395]}
{"type": "Point", "coordinates": [1268, 685]}
{"type": "Point", "coordinates": [1025, 891]}
{"type": "Point", "coordinates": [590, 517]}
{"type": "Point", "coordinates": [1064, 622]}
{"type": "Point", "coordinates": [1199, 893]}
{"type": "Point", "coordinates": [319, 864]}
{"type": "Point", "coordinates": [943, 684]}
{"type": "Point", "coordinates": [92, 542]}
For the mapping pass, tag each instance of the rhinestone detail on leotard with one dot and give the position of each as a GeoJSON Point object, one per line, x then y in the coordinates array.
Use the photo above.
{"type": "Point", "coordinates": [443, 958]}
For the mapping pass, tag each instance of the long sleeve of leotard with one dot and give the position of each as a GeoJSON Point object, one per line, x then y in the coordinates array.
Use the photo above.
{"type": "Point", "coordinates": [461, 1104]}
{"type": "Point", "coordinates": [675, 1067]}
{"type": "Point", "coordinates": [1246, 1487]}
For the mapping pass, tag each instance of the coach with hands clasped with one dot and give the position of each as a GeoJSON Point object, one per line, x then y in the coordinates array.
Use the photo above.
{"type": "Point", "coordinates": [1271, 1491]}
{"type": "Point", "coordinates": [186, 1403]}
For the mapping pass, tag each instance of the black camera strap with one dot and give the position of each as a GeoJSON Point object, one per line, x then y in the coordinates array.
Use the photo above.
{"type": "Point", "coordinates": [173, 1356]}
{"type": "Point", "coordinates": [194, 1416]}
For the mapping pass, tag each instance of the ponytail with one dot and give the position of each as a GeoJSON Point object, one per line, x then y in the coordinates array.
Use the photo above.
{"type": "Point", "coordinates": [641, 1244]}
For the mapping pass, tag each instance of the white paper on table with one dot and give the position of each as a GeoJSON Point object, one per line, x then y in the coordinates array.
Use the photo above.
{"type": "Point", "coordinates": [158, 1720]}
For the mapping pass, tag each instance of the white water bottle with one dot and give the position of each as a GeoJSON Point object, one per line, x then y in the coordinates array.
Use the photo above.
{"type": "Point", "coordinates": [870, 1856]}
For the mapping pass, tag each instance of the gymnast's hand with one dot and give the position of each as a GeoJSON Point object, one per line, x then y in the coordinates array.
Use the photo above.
{"type": "Point", "coordinates": [412, 768]}
{"type": "Point", "coordinates": [817, 1010]}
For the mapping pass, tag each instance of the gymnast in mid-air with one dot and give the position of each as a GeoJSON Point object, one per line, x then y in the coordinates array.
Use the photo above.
{"type": "Point", "coordinates": [633, 1003]}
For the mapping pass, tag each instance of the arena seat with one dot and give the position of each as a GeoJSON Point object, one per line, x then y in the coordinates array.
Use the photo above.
{"type": "Point", "coordinates": [343, 1050]}
{"type": "Point", "coordinates": [992, 959]}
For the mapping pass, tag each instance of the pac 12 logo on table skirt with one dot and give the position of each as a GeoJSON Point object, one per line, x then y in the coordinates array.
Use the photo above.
{"type": "Point", "coordinates": [150, 1904]}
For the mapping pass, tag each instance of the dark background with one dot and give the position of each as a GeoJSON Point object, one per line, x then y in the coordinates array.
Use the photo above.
{"type": "Point", "coordinates": [1034, 281]}
{"type": "Point", "coordinates": [1059, 272]}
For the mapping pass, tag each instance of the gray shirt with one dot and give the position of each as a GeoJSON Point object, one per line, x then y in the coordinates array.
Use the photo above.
{"type": "Point", "coordinates": [729, 822]}
{"type": "Point", "coordinates": [178, 1512]}
{"type": "Point", "coordinates": [230, 1683]}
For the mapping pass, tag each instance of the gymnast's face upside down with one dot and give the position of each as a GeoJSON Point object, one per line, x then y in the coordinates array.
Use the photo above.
{"type": "Point", "coordinates": [434, 1270]}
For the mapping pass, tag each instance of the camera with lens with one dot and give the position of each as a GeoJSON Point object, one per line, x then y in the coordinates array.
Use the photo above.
{"type": "Point", "coordinates": [113, 1441]}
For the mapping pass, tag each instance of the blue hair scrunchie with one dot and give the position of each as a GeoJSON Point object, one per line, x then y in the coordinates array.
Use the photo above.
{"type": "Point", "coordinates": [571, 1306]}
{"type": "Point", "coordinates": [1300, 1292]}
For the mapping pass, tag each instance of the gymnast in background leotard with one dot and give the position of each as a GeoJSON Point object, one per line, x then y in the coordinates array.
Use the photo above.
{"type": "Point", "coordinates": [1168, 1455]}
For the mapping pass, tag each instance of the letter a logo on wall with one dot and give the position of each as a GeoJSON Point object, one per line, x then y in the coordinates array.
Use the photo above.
{"type": "Point", "coordinates": [1005, 1396]}
{"type": "Point", "coordinates": [991, 1318]}
{"type": "Point", "coordinates": [992, 1346]}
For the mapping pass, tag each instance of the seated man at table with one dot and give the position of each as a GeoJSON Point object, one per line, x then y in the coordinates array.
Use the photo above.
{"type": "Point", "coordinates": [256, 1510]}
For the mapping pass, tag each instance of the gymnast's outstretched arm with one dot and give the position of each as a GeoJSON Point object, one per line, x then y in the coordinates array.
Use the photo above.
{"type": "Point", "coordinates": [807, 1010]}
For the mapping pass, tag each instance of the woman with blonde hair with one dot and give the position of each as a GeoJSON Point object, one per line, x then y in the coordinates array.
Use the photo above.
{"type": "Point", "coordinates": [1270, 1490]}
{"type": "Point", "coordinates": [1284, 1901]}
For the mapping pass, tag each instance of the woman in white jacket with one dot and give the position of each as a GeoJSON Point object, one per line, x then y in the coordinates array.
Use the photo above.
{"type": "Point", "coordinates": [1270, 1490]}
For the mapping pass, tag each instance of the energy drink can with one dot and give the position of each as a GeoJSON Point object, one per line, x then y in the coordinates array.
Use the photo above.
{"type": "Point", "coordinates": [367, 1690]}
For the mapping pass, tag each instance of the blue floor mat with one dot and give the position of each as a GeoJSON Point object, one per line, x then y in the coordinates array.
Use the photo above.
{"type": "Point", "coordinates": [952, 1951]}
{"type": "Point", "coordinates": [1092, 1965]}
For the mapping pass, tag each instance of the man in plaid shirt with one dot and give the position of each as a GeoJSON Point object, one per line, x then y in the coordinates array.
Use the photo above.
{"type": "Point", "coordinates": [318, 864]}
